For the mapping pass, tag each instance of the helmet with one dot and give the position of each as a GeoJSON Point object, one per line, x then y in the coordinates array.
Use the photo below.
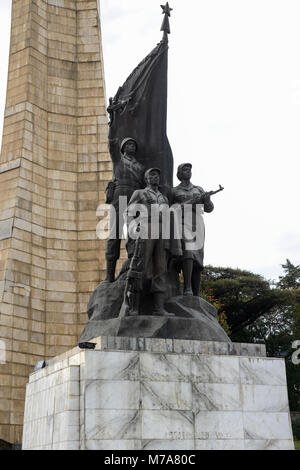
{"type": "Point", "coordinates": [124, 141]}
{"type": "Point", "coordinates": [181, 167]}
{"type": "Point", "coordinates": [149, 171]}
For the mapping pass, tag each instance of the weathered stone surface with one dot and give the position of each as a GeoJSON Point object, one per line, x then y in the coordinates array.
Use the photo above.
{"type": "Point", "coordinates": [124, 399]}
{"type": "Point", "coordinates": [6, 227]}
{"type": "Point", "coordinates": [106, 300]}
{"type": "Point", "coordinates": [54, 167]}
{"type": "Point", "coordinates": [155, 327]}
{"type": "Point", "coordinates": [202, 328]}
{"type": "Point", "coordinates": [194, 318]}
{"type": "Point", "coordinates": [191, 307]}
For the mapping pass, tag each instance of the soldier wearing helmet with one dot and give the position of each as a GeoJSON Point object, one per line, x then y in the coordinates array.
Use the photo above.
{"type": "Point", "coordinates": [186, 194]}
{"type": "Point", "coordinates": [128, 177]}
{"type": "Point", "coordinates": [154, 249]}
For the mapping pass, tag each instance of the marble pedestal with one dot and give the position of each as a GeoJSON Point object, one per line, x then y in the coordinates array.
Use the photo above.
{"type": "Point", "coordinates": [156, 394]}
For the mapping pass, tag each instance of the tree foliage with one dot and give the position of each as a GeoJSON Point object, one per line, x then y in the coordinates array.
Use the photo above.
{"type": "Point", "coordinates": [245, 296]}
{"type": "Point", "coordinates": [291, 277]}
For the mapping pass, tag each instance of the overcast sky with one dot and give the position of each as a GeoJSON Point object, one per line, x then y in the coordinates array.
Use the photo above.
{"type": "Point", "coordinates": [233, 112]}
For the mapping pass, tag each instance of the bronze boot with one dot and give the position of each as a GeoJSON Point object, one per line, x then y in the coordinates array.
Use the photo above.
{"type": "Point", "coordinates": [134, 304]}
{"type": "Point", "coordinates": [110, 271]}
{"type": "Point", "coordinates": [158, 306]}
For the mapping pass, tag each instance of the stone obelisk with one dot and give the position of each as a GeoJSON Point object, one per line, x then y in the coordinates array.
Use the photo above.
{"type": "Point", "coordinates": [54, 167]}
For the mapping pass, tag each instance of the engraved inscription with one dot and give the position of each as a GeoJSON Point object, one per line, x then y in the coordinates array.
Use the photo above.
{"type": "Point", "coordinates": [179, 435]}
{"type": "Point", "coordinates": [212, 435]}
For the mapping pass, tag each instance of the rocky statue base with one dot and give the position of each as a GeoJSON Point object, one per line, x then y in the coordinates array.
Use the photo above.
{"type": "Point", "coordinates": [159, 394]}
{"type": "Point", "coordinates": [194, 318]}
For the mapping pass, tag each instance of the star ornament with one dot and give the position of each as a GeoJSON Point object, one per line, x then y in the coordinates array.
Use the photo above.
{"type": "Point", "coordinates": [166, 9]}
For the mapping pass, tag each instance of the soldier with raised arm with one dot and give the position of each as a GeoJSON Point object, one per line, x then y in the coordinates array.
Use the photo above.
{"type": "Point", "coordinates": [128, 176]}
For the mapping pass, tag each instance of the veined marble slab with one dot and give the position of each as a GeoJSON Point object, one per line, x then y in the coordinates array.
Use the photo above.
{"type": "Point", "coordinates": [165, 367]}
{"type": "Point", "coordinates": [166, 395]}
{"type": "Point", "coordinates": [160, 444]}
{"type": "Point", "coordinates": [219, 425]}
{"type": "Point", "coordinates": [116, 366]}
{"type": "Point", "coordinates": [215, 369]}
{"type": "Point", "coordinates": [112, 424]}
{"type": "Point", "coordinates": [259, 371]}
{"type": "Point", "coordinates": [156, 398]}
{"type": "Point", "coordinates": [167, 424]}
{"type": "Point", "coordinates": [109, 444]}
{"type": "Point", "coordinates": [253, 398]}
{"type": "Point", "coordinates": [112, 395]}
{"type": "Point", "coordinates": [264, 426]}
{"type": "Point", "coordinates": [271, 444]}
{"type": "Point", "coordinates": [220, 444]}
{"type": "Point", "coordinates": [216, 397]}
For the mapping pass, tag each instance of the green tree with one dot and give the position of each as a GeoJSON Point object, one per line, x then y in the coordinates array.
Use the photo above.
{"type": "Point", "coordinates": [245, 297]}
{"type": "Point", "coordinates": [291, 277]}
{"type": "Point", "coordinates": [290, 282]}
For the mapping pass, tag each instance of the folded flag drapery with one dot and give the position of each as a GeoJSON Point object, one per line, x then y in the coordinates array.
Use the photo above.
{"type": "Point", "coordinates": [139, 110]}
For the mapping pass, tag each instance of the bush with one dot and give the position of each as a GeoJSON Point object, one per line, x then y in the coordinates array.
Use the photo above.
{"type": "Point", "coordinates": [296, 429]}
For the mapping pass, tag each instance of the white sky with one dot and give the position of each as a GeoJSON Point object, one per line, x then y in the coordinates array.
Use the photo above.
{"type": "Point", "coordinates": [233, 112]}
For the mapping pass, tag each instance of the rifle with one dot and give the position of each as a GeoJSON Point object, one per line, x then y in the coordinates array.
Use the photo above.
{"type": "Point", "coordinates": [134, 280]}
{"type": "Point", "coordinates": [209, 193]}
{"type": "Point", "coordinates": [109, 192]}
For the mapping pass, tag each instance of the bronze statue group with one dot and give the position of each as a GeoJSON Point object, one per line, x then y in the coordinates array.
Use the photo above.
{"type": "Point", "coordinates": [149, 256]}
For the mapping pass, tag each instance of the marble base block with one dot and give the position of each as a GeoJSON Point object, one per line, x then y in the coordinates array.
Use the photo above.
{"type": "Point", "coordinates": [155, 394]}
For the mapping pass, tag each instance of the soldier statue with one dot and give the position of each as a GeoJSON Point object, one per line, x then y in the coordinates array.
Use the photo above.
{"type": "Point", "coordinates": [188, 194]}
{"type": "Point", "coordinates": [128, 176]}
{"type": "Point", "coordinates": [148, 291]}
{"type": "Point", "coordinates": [149, 263]}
